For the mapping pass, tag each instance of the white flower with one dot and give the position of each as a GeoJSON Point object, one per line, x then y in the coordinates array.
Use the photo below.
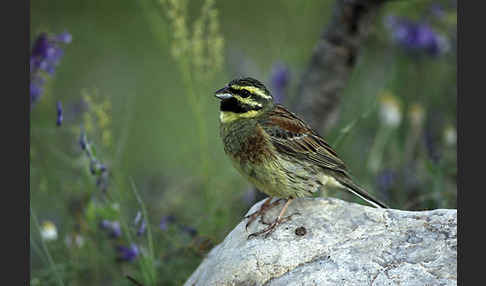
{"type": "Point", "coordinates": [390, 110]}
{"type": "Point", "coordinates": [416, 114]}
{"type": "Point", "coordinates": [76, 240]}
{"type": "Point", "coordinates": [48, 231]}
{"type": "Point", "coordinates": [450, 135]}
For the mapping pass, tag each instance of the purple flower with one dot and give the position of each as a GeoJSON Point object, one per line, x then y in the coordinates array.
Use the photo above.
{"type": "Point", "coordinates": [54, 55]}
{"type": "Point", "coordinates": [115, 230]}
{"type": "Point", "coordinates": [65, 38]}
{"type": "Point", "coordinates": [279, 80]}
{"type": "Point", "coordinates": [36, 90]}
{"type": "Point", "coordinates": [142, 228]}
{"type": "Point", "coordinates": [59, 113]}
{"type": "Point", "coordinates": [105, 224]}
{"type": "Point", "coordinates": [385, 180]}
{"type": "Point", "coordinates": [416, 37]}
{"type": "Point", "coordinates": [140, 222]}
{"type": "Point", "coordinates": [46, 52]}
{"type": "Point", "coordinates": [39, 50]}
{"type": "Point", "coordinates": [113, 227]}
{"type": "Point", "coordinates": [102, 181]}
{"type": "Point", "coordinates": [96, 167]}
{"type": "Point", "coordinates": [165, 221]}
{"type": "Point", "coordinates": [45, 56]}
{"type": "Point", "coordinates": [127, 253]}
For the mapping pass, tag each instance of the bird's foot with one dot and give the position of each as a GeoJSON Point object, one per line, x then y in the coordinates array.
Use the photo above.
{"type": "Point", "coordinates": [271, 226]}
{"type": "Point", "coordinates": [263, 209]}
{"type": "Point", "coordinates": [289, 217]}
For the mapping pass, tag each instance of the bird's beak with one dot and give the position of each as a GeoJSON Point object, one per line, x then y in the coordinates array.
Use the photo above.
{"type": "Point", "coordinates": [223, 93]}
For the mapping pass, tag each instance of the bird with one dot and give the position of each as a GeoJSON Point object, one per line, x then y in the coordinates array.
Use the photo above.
{"type": "Point", "coordinates": [276, 151]}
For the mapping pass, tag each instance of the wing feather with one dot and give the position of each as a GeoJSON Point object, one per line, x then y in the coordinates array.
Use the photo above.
{"type": "Point", "coordinates": [292, 136]}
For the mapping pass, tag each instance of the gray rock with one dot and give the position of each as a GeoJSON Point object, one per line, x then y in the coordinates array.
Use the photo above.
{"type": "Point", "coordinates": [344, 244]}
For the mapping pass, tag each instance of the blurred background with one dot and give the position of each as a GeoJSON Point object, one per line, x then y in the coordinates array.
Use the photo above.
{"type": "Point", "coordinates": [127, 171]}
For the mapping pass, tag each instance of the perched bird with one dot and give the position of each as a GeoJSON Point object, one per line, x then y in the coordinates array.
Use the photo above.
{"type": "Point", "coordinates": [276, 150]}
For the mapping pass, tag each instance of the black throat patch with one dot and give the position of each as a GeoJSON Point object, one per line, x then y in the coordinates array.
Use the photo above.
{"type": "Point", "coordinates": [235, 106]}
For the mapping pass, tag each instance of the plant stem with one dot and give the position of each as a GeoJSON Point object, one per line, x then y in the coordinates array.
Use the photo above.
{"type": "Point", "coordinates": [149, 231]}
{"type": "Point", "coordinates": [46, 250]}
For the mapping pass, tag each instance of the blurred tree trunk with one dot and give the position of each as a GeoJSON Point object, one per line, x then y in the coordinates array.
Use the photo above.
{"type": "Point", "coordinates": [333, 60]}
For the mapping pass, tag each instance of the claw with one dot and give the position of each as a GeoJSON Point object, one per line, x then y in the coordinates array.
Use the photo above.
{"type": "Point", "coordinates": [272, 226]}
{"type": "Point", "coordinates": [263, 209]}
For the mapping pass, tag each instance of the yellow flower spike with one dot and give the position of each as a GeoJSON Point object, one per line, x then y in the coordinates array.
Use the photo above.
{"type": "Point", "coordinates": [214, 37]}
{"type": "Point", "coordinates": [102, 118]}
{"type": "Point", "coordinates": [97, 119]}
{"type": "Point", "coordinates": [106, 138]}
{"type": "Point", "coordinates": [200, 48]}
{"type": "Point", "coordinates": [106, 105]}
{"type": "Point", "coordinates": [87, 122]}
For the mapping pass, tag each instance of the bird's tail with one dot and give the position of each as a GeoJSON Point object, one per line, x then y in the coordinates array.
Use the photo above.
{"type": "Point", "coordinates": [360, 192]}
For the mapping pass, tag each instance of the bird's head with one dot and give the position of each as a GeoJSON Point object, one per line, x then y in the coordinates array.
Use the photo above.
{"type": "Point", "coordinates": [243, 98]}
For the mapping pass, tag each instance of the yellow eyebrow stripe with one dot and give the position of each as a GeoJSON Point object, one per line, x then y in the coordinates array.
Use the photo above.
{"type": "Point", "coordinates": [253, 90]}
{"type": "Point", "coordinates": [247, 101]}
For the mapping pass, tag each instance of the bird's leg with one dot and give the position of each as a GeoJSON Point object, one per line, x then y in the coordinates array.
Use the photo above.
{"type": "Point", "coordinates": [261, 211]}
{"type": "Point", "coordinates": [271, 228]}
{"type": "Point", "coordinates": [263, 208]}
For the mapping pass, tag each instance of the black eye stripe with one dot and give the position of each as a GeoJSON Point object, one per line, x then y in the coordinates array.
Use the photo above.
{"type": "Point", "coordinates": [233, 105]}
{"type": "Point", "coordinates": [241, 92]}
{"type": "Point", "coordinates": [244, 93]}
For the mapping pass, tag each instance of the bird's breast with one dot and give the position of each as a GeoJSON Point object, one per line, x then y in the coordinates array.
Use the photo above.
{"type": "Point", "coordinates": [246, 143]}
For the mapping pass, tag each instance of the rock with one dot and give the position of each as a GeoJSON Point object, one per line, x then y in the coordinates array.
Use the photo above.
{"type": "Point", "coordinates": [333, 242]}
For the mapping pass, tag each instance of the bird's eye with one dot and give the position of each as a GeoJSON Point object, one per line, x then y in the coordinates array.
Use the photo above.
{"type": "Point", "coordinates": [244, 93]}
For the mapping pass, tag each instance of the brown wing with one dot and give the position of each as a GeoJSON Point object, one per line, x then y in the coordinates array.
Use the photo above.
{"type": "Point", "coordinates": [292, 136]}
